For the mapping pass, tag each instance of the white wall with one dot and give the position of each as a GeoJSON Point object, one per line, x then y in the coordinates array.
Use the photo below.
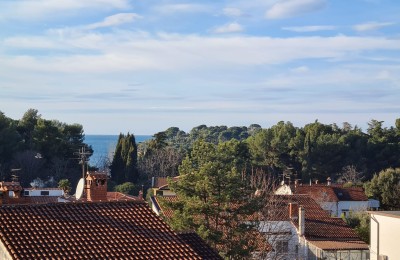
{"type": "Point", "coordinates": [355, 206]}
{"type": "Point", "coordinates": [37, 192]}
{"type": "Point", "coordinates": [385, 234]}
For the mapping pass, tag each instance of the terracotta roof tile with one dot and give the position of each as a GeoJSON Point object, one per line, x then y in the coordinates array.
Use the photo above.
{"type": "Point", "coordinates": [320, 226]}
{"type": "Point", "coordinates": [340, 245]}
{"type": "Point", "coordinates": [332, 193]}
{"type": "Point", "coordinates": [199, 245]}
{"type": "Point", "coordinates": [104, 230]}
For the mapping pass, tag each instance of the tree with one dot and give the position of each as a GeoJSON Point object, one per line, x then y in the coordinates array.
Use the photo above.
{"type": "Point", "coordinates": [124, 165]}
{"type": "Point", "coordinates": [349, 174]}
{"type": "Point", "coordinates": [65, 185]}
{"type": "Point", "coordinates": [215, 197]}
{"type": "Point", "coordinates": [126, 188]}
{"type": "Point", "coordinates": [385, 187]}
{"type": "Point", "coordinates": [360, 222]}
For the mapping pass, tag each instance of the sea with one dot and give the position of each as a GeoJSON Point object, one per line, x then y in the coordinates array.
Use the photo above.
{"type": "Point", "coordinates": [104, 146]}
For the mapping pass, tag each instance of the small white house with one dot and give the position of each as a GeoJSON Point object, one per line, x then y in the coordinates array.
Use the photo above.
{"type": "Point", "coordinates": [53, 192]}
{"type": "Point", "coordinates": [385, 235]}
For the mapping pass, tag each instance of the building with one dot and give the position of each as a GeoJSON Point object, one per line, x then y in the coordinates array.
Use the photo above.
{"type": "Point", "coordinates": [160, 186]}
{"type": "Point", "coordinates": [298, 228]}
{"type": "Point", "coordinates": [385, 235]}
{"type": "Point", "coordinates": [99, 225]}
{"type": "Point", "coordinates": [13, 193]}
{"type": "Point", "coordinates": [335, 199]}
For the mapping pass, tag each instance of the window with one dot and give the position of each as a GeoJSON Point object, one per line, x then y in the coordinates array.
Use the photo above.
{"type": "Point", "coordinates": [44, 193]}
{"type": "Point", "coordinates": [26, 192]}
{"type": "Point", "coordinates": [159, 193]}
{"type": "Point", "coordinates": [282, 246]}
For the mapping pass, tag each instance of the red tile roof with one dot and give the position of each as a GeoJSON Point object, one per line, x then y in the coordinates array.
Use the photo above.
{"type": "Point", "coordinates": [162, 182]}
{"type": "Point", "coordinates": [320, 226]}
{"type": "Point", "coordinates": [166, 211]}
{"type": "Point", "coordinates": [332, 193]}
{"type": "Point", "coordinates": [199, 245]}
{"type": "Point", "coordinates": [340, 245]}
{"type": "Point", "coordinates": [97, 230]}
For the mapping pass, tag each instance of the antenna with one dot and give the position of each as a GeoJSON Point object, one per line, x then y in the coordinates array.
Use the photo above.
{"type": "Point", "coordinates": [83, 157]}
{"type": "Point", "coordinates": [80, 188]}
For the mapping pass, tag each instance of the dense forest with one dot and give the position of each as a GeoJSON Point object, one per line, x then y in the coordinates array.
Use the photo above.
{"type": "Point", "coordinates": [36, 148]}
{"type": "Point", "coordinates": [39, 151]}
{"type": "Point", "coordinates": [313, 152]}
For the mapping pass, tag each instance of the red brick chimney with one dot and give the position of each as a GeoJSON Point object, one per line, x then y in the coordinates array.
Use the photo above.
{"type": "Point", "coordinates": [96, 186]}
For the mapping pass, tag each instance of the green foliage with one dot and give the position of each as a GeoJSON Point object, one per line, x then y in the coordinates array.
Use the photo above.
{"type": "Point", "coordinates": [126, 188]}
{"type": "Point", "coordinates": [124, 164]}
{"type": "Point", "coordinates": [22, 140]}
{"type": "Point", "coordinates": [215, 196]}
{"type": "Point", "coordinates": [385, 187]}
{"type": "Point", "coordinates": [65, 184]}
{"type": "Point", "coordinates": [360, 222]}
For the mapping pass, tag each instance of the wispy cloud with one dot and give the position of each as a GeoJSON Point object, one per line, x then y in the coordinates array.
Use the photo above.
{"type": "Point", "coordinates": [114, 20]}
{"type": "Point", "coordinates": [289, 8]}
{"type": "Point", "coordinates": [43, 9]}
{"type": "Point", "coordinates": [313, 28]}
{"type": "Point", "coordinates": [232, 12]}
{"type": "Point", "coordinates": [371, 26]}
{"type": "Point", "coordinates": [228, 28]}
{"type": "Point", "coordinates": [181, 8]}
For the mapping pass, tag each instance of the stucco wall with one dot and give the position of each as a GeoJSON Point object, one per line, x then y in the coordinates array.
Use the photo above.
{"type": "Point", "coordinates": [4, 253]}
{"type": "Point", "coordinates": [385, 236]}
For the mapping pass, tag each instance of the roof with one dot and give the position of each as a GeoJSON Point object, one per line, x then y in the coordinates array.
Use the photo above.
{"type": "Point", "coordinates": [166, 211]}
{"type": "Point", "coordinates": [31, 200]}
{"type": "Point", "coordinates": [393, 214]}
{"type": "Point", "coordinates": [162, 182]}
{"type": "Point", "coordinates": [332, 193]}
{"type": "Point", "coordinates": [199, 245]}
{"type": "Point", "coordinates": [97, 230]}
{"type": "Point", "coordinates": [319, 225]}
{"type": "Point", "coordinates": [340, 245]}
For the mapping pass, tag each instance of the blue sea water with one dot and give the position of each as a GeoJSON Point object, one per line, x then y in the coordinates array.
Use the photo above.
{"type": "Point", "coordinates": [104, 146]}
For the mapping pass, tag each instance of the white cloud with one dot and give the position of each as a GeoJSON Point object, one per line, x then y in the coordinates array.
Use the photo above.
{"type": "Point", "coordinates": [181, 8]}
{"type": "Point", "coordinates": [371, 26]}
{"type": "Point", "coordinates": [314, 28]}
{"type": "Point", "coordinates": [115, 20]}
{"type": "Point", "coordinates": [232, 12]}
{"type": "Point", "coordinates": [229, 28]}
{"type": "Point", "coordinates": [301, 69]}
{"type": "Point", "coordinates": [42, 9]}
{"type": "Point", "coordinates": [289, 8]}
{"type": "Point", "coordinates": [127, 51]}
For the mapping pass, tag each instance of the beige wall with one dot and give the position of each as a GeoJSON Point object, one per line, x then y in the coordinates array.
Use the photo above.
{"type": "Point", "coordinates": [385, 236]}
{"type": "Point", "coordinates": [4, 253]}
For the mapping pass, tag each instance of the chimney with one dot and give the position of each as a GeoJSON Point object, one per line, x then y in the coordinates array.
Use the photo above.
{"type": "Point", "coordinates": [328, 181]}
{"type": "Point", "coordinates": [301, 221]}
{"type": "Point", "coordinates": [96, 186]}
{"type": "Point", "coordinates": [316, 181]}
{"type": "Point", "coordinates": [296, 182]}
{"type": "Point", "coordinates": [293, 210]}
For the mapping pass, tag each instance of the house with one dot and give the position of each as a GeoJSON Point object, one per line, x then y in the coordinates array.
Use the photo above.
{"type": "Point", "coordinates": [98, 225]}
{"type": "Point", "coordinates": [335, 199]}
{"type": "Point", "coordinates": [13, 193]}
{"type": "Point", "coordinates": [160, 186]}
{"type": "Point", "coordinates": [298, 228]}
{"type": "Point", "coordinates": [384, 235]}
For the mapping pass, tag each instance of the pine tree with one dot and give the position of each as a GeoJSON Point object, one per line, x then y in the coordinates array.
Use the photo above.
{"type": "Point", "coordinates": [215, 198]}
{"type": "Point", "coordinates": [124, 164]}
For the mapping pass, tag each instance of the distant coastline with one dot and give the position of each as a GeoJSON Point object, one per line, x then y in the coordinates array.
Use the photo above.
{"type": "Point", "coordinates": [104, 145]}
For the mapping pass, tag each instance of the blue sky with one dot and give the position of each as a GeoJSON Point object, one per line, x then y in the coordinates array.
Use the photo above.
{"type": "Point", "coordinates": [143, 66]}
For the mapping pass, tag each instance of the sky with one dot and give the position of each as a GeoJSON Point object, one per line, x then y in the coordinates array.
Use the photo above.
{"type": "Point", "coordinates": [141, 66]}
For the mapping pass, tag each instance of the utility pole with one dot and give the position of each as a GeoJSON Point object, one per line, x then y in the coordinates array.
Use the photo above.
{"type": "Point", "coordinates": [83, 157]}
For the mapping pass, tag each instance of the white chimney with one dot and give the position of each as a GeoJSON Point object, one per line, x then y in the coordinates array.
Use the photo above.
{"type": "Point", "coordinates": [301, 221]}
{"type": "Point", "coordinates": [329, 181]}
